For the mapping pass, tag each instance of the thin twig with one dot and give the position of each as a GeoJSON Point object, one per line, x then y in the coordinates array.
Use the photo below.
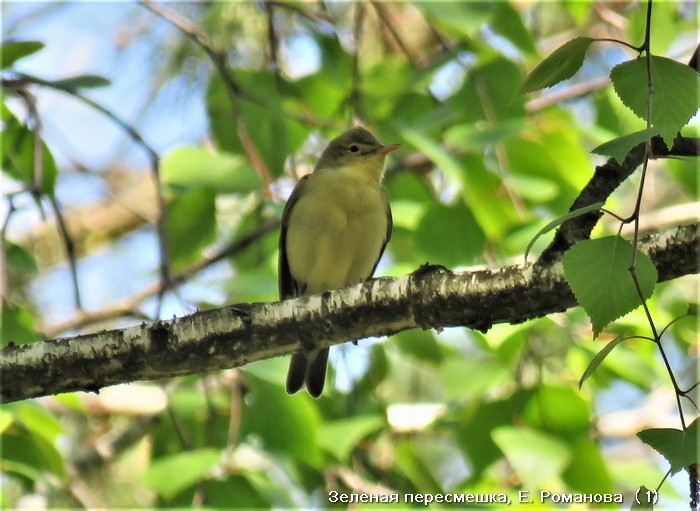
{"type": "Point", "coordinates": [273, 43]}
{"type": "Point", "coordinates": [70, 248]}
{"type": "Point", "coordinates": [3, 249]}
{"type": "Point", "coordinates": [152, 154]}
{"type": "Point", "coordinates": [384, 18]}
{"type": "Point", "coordinates": [355, 92]}
{"type": "Point", "coordinates": [129, 306]}
{"type": "Point", "coordinates": [317, 17]}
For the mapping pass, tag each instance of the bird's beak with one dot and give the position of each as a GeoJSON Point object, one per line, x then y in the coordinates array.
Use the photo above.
{"type": "Point", "coordinates": [386, 149]}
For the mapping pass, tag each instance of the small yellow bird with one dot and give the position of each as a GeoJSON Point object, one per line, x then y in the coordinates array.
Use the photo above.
{"type": "Point", "coordinates": [334, 229]}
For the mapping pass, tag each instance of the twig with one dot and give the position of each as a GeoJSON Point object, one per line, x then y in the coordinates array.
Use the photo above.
{"type": "Point", "coordinates": [384, 18]}
{"type": "Point", "coordinates": [152, 154]}
{"type": "Point", "coordinates": [128, 306]}
{"type": "Point", "coordinates": [605, 180]}
{"type": "Point", "coordinates": [3, 249]}
{"type": "Point", "coordinates": [235, 92]}
{"type": "Point", "coordinates": [355, 92]}
{"type": "Point", "coordinates": [318, 17]}
{"type": "Point", "coordinates": [574, 91]}
{"type": "Point", "coordinates": [70, 248]}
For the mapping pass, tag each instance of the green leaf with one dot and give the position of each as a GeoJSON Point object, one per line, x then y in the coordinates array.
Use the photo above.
{"type": "Point", "coordinates": [456, 224]}
{"type": "Point", "coordinates": [420, 344]}
{"type": "Point", "coordinates": [12, 51]}
{"type": "Point", "coordinates": [191, 225]}
{"type": "Point", "coordinates": [558, 409]}
{"type": "Point", "coordinates": [558, 221]}
{"type": "Point", "coordinates": [377, 371]}
{"type": "Point", "coordinates": [560, 65]}
{"type": "Point", "coordinates": [538, 459]}
{"type": "Point", "coordinates": [482, 189]}
{"type": "Point", "coordinates": [472, 136]}
{"type": "Point", "coordinates": [195, 168]}
{"type": "Point", "coordinates": [475, 424]}
{"type": "Point", "coordinates": [644, 498]}
{"type": "Point", "coordinates": [16, 325]}
{"type": "Point", "coordinates": [31, 452]}
{"type": "Point", "coordinates": [285, 424]}
{"type": "Point", "coordinates": [508, 22]}
{"type": "Point", "coordinates": [73, 83]}
{"type": "Point", "coordinates": [597, 272]}
{"type": "Point", "coordinates": [412, 466]}
{"type": "Point", "coordinates": [675, 97]}
{"type": "Point", "coordinates": [599, 357]}
{"type": "Point", "coordinates": [17, 150]}
{"type": "Point", "coordinates": [620, 146]}
{"type": "Point", "coordinates": [220, 494]}
{"type": "Point", "coordinates": [6, 420]}
{"type": "Point", "coordinates": [458, 18]}
{"type": "Point", "coordinates": [261, 117]}
{"type": "Point", "coordinates": [340, 437]}
{"type": "Point", "coordinates": [38, 420]}
{"type": "Point", "coordinates": [533, 188]}
{"type": "Point", "coordinates": [170, 475]}
{"type": "Point", "coordinates": [433, 150]}
{"type": "Point", "coordinates": [20, 260]}
{"type": "Point", "coordinates": [588, 469]}
{"type": "Point", "coordinates": [680, 448]}
{"type": "Point", "coordinates": [484, 375]}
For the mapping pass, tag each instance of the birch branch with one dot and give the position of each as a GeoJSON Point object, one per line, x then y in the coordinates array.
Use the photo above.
{"type": "Point", "coordinates": [232, 336]}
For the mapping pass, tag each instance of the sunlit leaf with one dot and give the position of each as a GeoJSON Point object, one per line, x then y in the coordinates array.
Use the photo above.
{"type": "Point", "coordinates": [285, 424]}
{"type": "Point", "coordinates": [19, 259]}
{"type": "Point", "coordinates": [459, 18]}
{"type": "Point", "coordinates": [191, 225]}
{"type": "Point", "coordinates": [193, 168]}
{"type": "Point", "coordinates": [339, 437]}
{"type": "Point", "coordinates": [558, 409]}
{"type": "Point", "coordinates": [538, 459]}
{"type": "Point", "coordinates": [449, 235]}
{"type": "Point", "coordinates": [12, 51]}
{"type": "Point", "coordinates": [558, 221]}
{"type": "Point", "coordinates": [433, 150]}
{"type": "Point", "coordinates": [420, 344]}
{"type": "Point", "coordinates": [81, 82]}
{"type": "Point", "coordinates": [587, 471]}
{"type": "Point", "coordinates": [644, 498]}
{"type": "Point", "coordinates": [675, 98]}
{"type": "Point", "coordinates": [170, 475]}
{"type": "Point", "coordinates": [599, 357]}
{"type": "Point", "coordinates": [597, 272]}
{"type": "Point", "coordinates": [560, 65]}
{"type": "Point", "coordinates": [508, 22]}
{"type": "Point", "coordinates": [620, 146]}
{"type": "Point", "coordinates": [17, 149]}
{"type": "Point", "coordinates": [680, 448]}
{"type": "Point", "coordinates": [463, 379]}
{"type": "Point", "coordinates": [16, 325]}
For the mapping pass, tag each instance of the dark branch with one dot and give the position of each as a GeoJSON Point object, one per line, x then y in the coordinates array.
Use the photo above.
{"type": "Point", "coordinates": [604, 182]}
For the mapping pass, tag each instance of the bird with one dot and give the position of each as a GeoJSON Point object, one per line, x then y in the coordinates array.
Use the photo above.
{"type": "Point", "coordinates": [335, 227]}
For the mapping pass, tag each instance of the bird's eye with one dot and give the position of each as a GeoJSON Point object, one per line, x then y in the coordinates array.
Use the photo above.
{"type": "Point", "coordinates": [354, 148]}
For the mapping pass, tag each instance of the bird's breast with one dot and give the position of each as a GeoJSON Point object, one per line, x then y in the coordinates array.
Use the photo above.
{"type": "Point", "coordinates": [336, 230]}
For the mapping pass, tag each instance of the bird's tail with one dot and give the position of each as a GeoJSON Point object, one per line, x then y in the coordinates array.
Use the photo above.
{"type": "Point", "coordinates": [310, 369]}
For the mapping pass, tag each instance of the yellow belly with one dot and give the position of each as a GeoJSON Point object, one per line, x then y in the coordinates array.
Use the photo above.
{"type": "Point", "coordinates": [336, 231]}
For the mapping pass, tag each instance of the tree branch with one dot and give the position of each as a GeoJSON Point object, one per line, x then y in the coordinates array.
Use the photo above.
{"type": "Point", "coordinates": [604, 182]}
{"type": "Point", "coordinates": [233, 336]}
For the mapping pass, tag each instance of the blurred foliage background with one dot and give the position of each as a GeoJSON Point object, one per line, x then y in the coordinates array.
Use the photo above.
{"type": "Point", "coordinates": [231, 102]}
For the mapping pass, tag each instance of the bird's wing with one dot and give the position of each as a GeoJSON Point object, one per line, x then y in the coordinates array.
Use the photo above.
{"type": "Point", "coordinates": [389, 226]}
{"type": "Point", "coordinates": [288, 286]}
